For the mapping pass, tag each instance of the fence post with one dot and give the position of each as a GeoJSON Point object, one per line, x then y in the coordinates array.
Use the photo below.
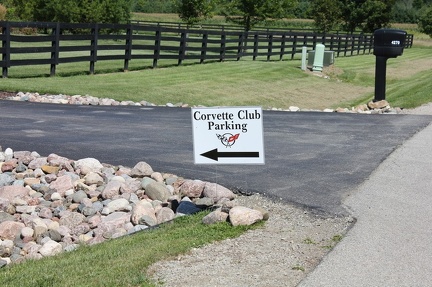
{"type": "Point", "coordinates": [339, 39]}
{"type": "Point", "coordinates": [93, 49]}
{"type": "Point", "coordinates": [332, 42]}
{"type": "Point", "coordinates": [128, 50]}
{"type": "Point", "coordinates": [6, 49]}
{"type": "Point", "coordinates": [270, 46]}
{"type": "Point", "coordinates": [240, 46]}
{"type": "Point", "coordinates": [294, 47]}
{"type": "Point", "coordinates": [157, 46]}
{"type": "Point", "coordinates": [314, 41]}
{"type": "Point", "coordinates": [256, 43]}
{"type": "Point", "coordinates": [363, 41]}
{"type": "Point", "coordinates": [56, 45]}
{"type": "Point", "coordinates": [182, 48]}
{"type": "Point", "coordinates": [359, 44]}
{"type": "Point", "coordinates": [222, 47]}
{"type": "Point", "coordinates": [282, 50]}
{"type": "Point", "coordinates": [346, 45]}
{"type": "Point", "coordinates": [204, 47]}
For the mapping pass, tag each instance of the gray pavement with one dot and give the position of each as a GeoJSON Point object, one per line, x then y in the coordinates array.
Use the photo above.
{"type": "Point", "coordinates": [390, 245]}
{"type": "Point", "coordinates": [313, 160]}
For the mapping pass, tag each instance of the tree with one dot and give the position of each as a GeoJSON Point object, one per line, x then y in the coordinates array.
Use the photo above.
{"type": "Point", "coordinates": [116, 11]}
{"type": "Point", "coordinates": [366, 15]}
{"type": "Point", "coordinates": [73, 11]}
{"type": "Point", "coordinates": [404, 11]}
{"type": "Point", "coordinates": [376, 14]}
{"type": "Point", "coordinates": [22, 9]}
{"type": "Point", "coordinates": [42, 10]}
{"type": "Point", "coordinates": [302, 9]}
{"type": "Point", "coordinates": [154, 6]}
{"type": "Point", "coordinates": [425, 21]}
{"type": "Point", "coordinates": [326, 14]}
{"type": "Point", "coordinates": [248, 13]}
{"type": "Point", "coordinates": [138, 5]}
{"type": "Point", "coordinates": [194, 11]}
{"type": "Point", "coordinates": [419, 4]}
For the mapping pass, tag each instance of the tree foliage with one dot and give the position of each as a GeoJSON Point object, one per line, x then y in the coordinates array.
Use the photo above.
{"type": "Point", "coordinates": [302, 9]}
{"type": "Point", "coordinates": [409, 11]}
{"type": "Point", "coordinates": [366, 15]}
{"type": "Point", "coordinates": [326, 14]}
{"type": "Point", "coordinates": [71, 11]}
{"type": "Point", "coordinates": [351, 15]}
{"type": "Point", "coordinates": [194, 11]}
{"type": "Point", "coordinates": [376, 14]}
{"type": "Point", "coordinates": [249, 13]}
{"type": "Point", "coordinates": [405, 11]}
{"type": "Point", "coordinates": [425, 21]}
{"type": "Point", "coordinates": [154, 6]}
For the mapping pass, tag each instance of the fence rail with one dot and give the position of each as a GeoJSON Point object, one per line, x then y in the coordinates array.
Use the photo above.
{"type": "Point", "coordinates": [41, 43]}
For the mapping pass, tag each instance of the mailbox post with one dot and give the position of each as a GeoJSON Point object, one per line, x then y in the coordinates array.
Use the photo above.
{"type": "Point", "coordinates": [388, 43]}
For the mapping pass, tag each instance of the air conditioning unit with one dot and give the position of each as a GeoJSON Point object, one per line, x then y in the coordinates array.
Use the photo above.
{"type": "Point", "coordinates": [328, 58]}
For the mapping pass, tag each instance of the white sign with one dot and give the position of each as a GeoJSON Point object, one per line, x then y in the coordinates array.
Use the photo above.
{"type": "Point", "coordinates": [228, 135]}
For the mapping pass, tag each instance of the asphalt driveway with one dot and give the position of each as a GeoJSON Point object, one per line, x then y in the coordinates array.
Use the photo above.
{"type": "Point", "coordinates": [312, 159]}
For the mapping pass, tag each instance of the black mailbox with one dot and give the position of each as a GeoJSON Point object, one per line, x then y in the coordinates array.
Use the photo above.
{"type": "Point", "coordinates": [389, 42]}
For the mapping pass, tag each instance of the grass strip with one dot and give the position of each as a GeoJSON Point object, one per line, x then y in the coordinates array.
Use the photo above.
{"type": "Point", "coordinates": [119, 262]}
{"type": "Point", "coordinates": [241, 83]}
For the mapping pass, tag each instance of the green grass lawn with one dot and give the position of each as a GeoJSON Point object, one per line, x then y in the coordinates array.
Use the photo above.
{"type": "Point", "coordinates": [120, 262]}
{"type": "Point", "coordinates": [246, 82]}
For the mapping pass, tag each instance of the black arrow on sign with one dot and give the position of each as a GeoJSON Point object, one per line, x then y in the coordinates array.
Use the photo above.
{"type": "Point", "coordinates": [214, 154]}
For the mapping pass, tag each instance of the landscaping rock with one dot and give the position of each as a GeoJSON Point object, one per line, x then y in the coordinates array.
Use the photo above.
{"type": "Point", "coordinates": [10, 229]}
{"type": "Point", "coordinates": [187, 208]}
{"type": "Point", "coordinates": [141, 169]}
{"type": "Point", "coordinates": [87, 165]}
{"type": "Point", "coordinates": [215, 217]}
{"type": "Point", "coordinates": [143, 213]}
{"type": "Point", "coordinates": [157, 191]}
{"type": "Point", "coordinates": [50, 248]}
{"type": "Point", "coordinates": [217, 192]}
{"type": "Point", "coordinates": [240, 215]}
{"type": "Point", "coordinates": [380, 107]}
{"type": "Point", "coordinates": [192, 188]}
{"type": "Point", "coordinates": [53, 204]}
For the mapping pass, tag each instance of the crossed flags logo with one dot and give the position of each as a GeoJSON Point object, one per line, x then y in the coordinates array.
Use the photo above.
{"type": "Point", "coordinates": [228, 139]}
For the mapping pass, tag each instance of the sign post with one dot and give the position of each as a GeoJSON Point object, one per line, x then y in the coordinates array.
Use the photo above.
{"type": "Point", "coordinates": [228, 135]}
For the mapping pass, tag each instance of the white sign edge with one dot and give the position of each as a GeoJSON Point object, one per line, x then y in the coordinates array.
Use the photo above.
{"type": "Point", "coordinates": [230, 163]}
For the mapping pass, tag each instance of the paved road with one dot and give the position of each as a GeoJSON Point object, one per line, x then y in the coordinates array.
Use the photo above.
{"type": "Point", "coordinates": [312, 159]}
{"type": "Point", "coordinates": [390, 243]}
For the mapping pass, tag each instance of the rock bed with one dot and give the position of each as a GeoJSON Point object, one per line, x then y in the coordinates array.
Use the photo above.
{"type": "Point", "coordinates": [380, 107]}
{"type": "Point", "coordinates": [52, 204]}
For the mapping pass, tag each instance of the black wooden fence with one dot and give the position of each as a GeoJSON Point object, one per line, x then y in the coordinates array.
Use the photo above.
{"type": "Point", "coordinates": [39, 43]}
